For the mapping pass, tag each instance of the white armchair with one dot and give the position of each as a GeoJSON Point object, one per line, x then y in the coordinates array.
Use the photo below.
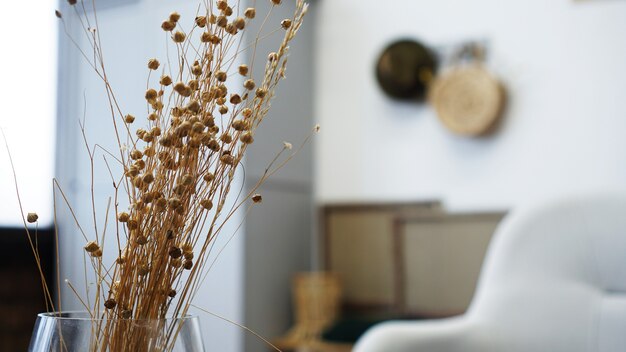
{"type": "Point", "coordinates": [553, 280]}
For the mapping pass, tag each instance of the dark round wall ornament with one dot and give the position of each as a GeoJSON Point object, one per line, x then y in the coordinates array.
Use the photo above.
{"type": "Point", "coordinates": [404, 70]}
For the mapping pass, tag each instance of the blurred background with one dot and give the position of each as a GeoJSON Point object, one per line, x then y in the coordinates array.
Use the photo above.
{"type": "Point", "coordinates": [382, 165]}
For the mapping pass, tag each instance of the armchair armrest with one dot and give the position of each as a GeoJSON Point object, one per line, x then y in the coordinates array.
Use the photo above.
{"type": "Point", "coordinates": [443, 335]}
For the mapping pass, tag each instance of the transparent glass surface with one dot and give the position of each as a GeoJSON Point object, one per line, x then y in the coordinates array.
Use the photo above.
{"type": "Point", "coordinates": [77, 331]}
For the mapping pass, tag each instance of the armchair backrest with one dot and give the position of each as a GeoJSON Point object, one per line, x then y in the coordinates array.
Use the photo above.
{"type": "Point", "coordinates": [554, 278]}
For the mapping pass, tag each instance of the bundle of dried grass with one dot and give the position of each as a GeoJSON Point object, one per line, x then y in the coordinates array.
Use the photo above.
{"type": "Point", "coordinates": [179, 169]}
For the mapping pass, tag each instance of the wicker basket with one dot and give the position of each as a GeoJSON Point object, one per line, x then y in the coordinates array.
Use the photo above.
{"type": "Point", "coordinates": [317, 298]}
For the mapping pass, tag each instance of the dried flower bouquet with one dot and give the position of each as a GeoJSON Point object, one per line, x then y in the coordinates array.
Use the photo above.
{"type": "Point", "coordinates": [178, 170]}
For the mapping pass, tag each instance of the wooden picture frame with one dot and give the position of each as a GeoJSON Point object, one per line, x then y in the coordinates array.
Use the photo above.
{"type": "Point", "coordinates": [357, 243]}
{"type": "Point", "coordinates": [440, 259]}
{"type": "Point", "coordinates": [381, 255]}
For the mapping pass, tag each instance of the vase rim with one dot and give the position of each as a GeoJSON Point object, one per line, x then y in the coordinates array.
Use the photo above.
{"type": "Point", "coordinates": [84, 315]}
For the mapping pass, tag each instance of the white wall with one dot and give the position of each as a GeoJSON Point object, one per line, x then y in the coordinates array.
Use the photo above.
{"type": "Point", "coordinates": [28, 100]}
{"type": "Point", "coordinates": [564, 65]}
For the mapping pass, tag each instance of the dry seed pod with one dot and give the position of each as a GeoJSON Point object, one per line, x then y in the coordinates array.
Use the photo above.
{"type": "Point", "coordinates": [239, 23]}
{"type": "Point", "coordinates": [213, 145]}
{"type": "Point", "coordinates": [222, 21]}
{"type": "Point", "coordinates": [132, 224]}
{"type": "Point", "coordinates": [221, 76]}
{"type": "Point", "coordinates": [151, 94]}
{"type": "Point", "coordinates": [91, 247]}
{"type": "Point", "coordinates": [286, 23]}
{"type": "Point", "coordinates": [226, 138]}
{"type": "Point", "coordinates": [222, 5]}
{"type": "Point", "coordinates": [136, 154]}
{"type": "Point", "coordinates": [32, 217]}
{"type": "Point", "coordinates": [155, 131]}
{"type": "Point", "coordinates": [153, 64]}
{"type": "Point", "coordinates": [208, 177]}
{"type": "Point", "coordinates": [132, 172]}
{"type": "Point", "coordinates": [250, 13]}
{"type": "Point", "coordinates": [201, 21]}
{"type": "Point", "coordinates": [186, 180]}
{"type": "Point", "coordinates": [176, 263]}
{"type": "Point", "coordinates": [277, 2]}
{"type": "Point", "coordinates": [240, 125]}
{"type": "Point", "coordinates": [243, 70]}
{"type": "Point", "coordinates": [140, 164]}
{"type": "Point", "coordinates": [123, 217]}
{"type": "Point", "coordinates": [193, 106]}
{"type": "Point", "coordinates": [215, 39]}
{"type": "Point", "coordinates": [179, 87]}
{"type": "Point", "coordinates": [179, 37]}
{"type": "Point", "coordinates": [206, 204]}
{"type": "Point", "coordinates": [141, 240]}
{"type": "Point", "coordinates": [223, 109]}
{"type": "Point", "coordinates": [147, 198]}
{"type": "Point", "coordinates": [157, 105]}
{"type": "Point", "coordinates": [160, 204]}
{"type": "Point", "coordinates": [177, 112]}
{"type": "Point", "coordinates": [97, 253]}
{"type": "Point", "coordinates": [257, 198]}
{"type": "Point", "coordinates": [188, 264]}
{"type": "Point", "coordinates": [208, 120]}
{"type": "Point", "coordinates": [175, 252]}
{"type": "Point", "coordinates": [71, 2]}
{"type": "Point", "coordinates": [249, 84]}
{"type": "Point", "coordinates": [235, 99]}
{"type": "Point", "coordinates": [174, 17]}
{"type": "Point", "coordinates": [247, 112]}
{"type": "Point", "coordinates": [198, 127]}
{"type": "Point", "coordinates": [171, 293]}
{"type": "Point", "coordinates": [227, 159]}
{"type": "Point", "coordinates": [110, 303]}
{"type": "Point", "coordinates": [174, 202]}
{"type": "Point", "coordinates": [148, 178]}
{"type": "Point", "coordinates": [129, 118]}
{"type": "Point", "coordinates": [246, 138]}
{"type": "Point", "coordinates": [231, 29]}
{"type": "Point", "coordinates": [228, 11]}
{"type": "Point", "coordinates": [168, 26]}
{"type": "Point", "coordinates": [261, 93]}
{"type": "Point", "coordinates": [165, 80]}
{"type": "Point", "coordinates": [149, 151]}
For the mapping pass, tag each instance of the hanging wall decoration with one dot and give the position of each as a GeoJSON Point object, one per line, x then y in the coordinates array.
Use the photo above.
{"type": "Point", "coordinates": [404, 70]}
{"type": "Point", "coordinates": [468, 99]}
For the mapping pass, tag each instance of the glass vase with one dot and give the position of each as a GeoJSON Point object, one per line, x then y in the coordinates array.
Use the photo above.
{"type": "Point", "coordinates": [78, 331]}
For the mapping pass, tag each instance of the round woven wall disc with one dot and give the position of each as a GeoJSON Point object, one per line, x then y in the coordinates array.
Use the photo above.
{"type": "Point", "coordinates": [468, 100]}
